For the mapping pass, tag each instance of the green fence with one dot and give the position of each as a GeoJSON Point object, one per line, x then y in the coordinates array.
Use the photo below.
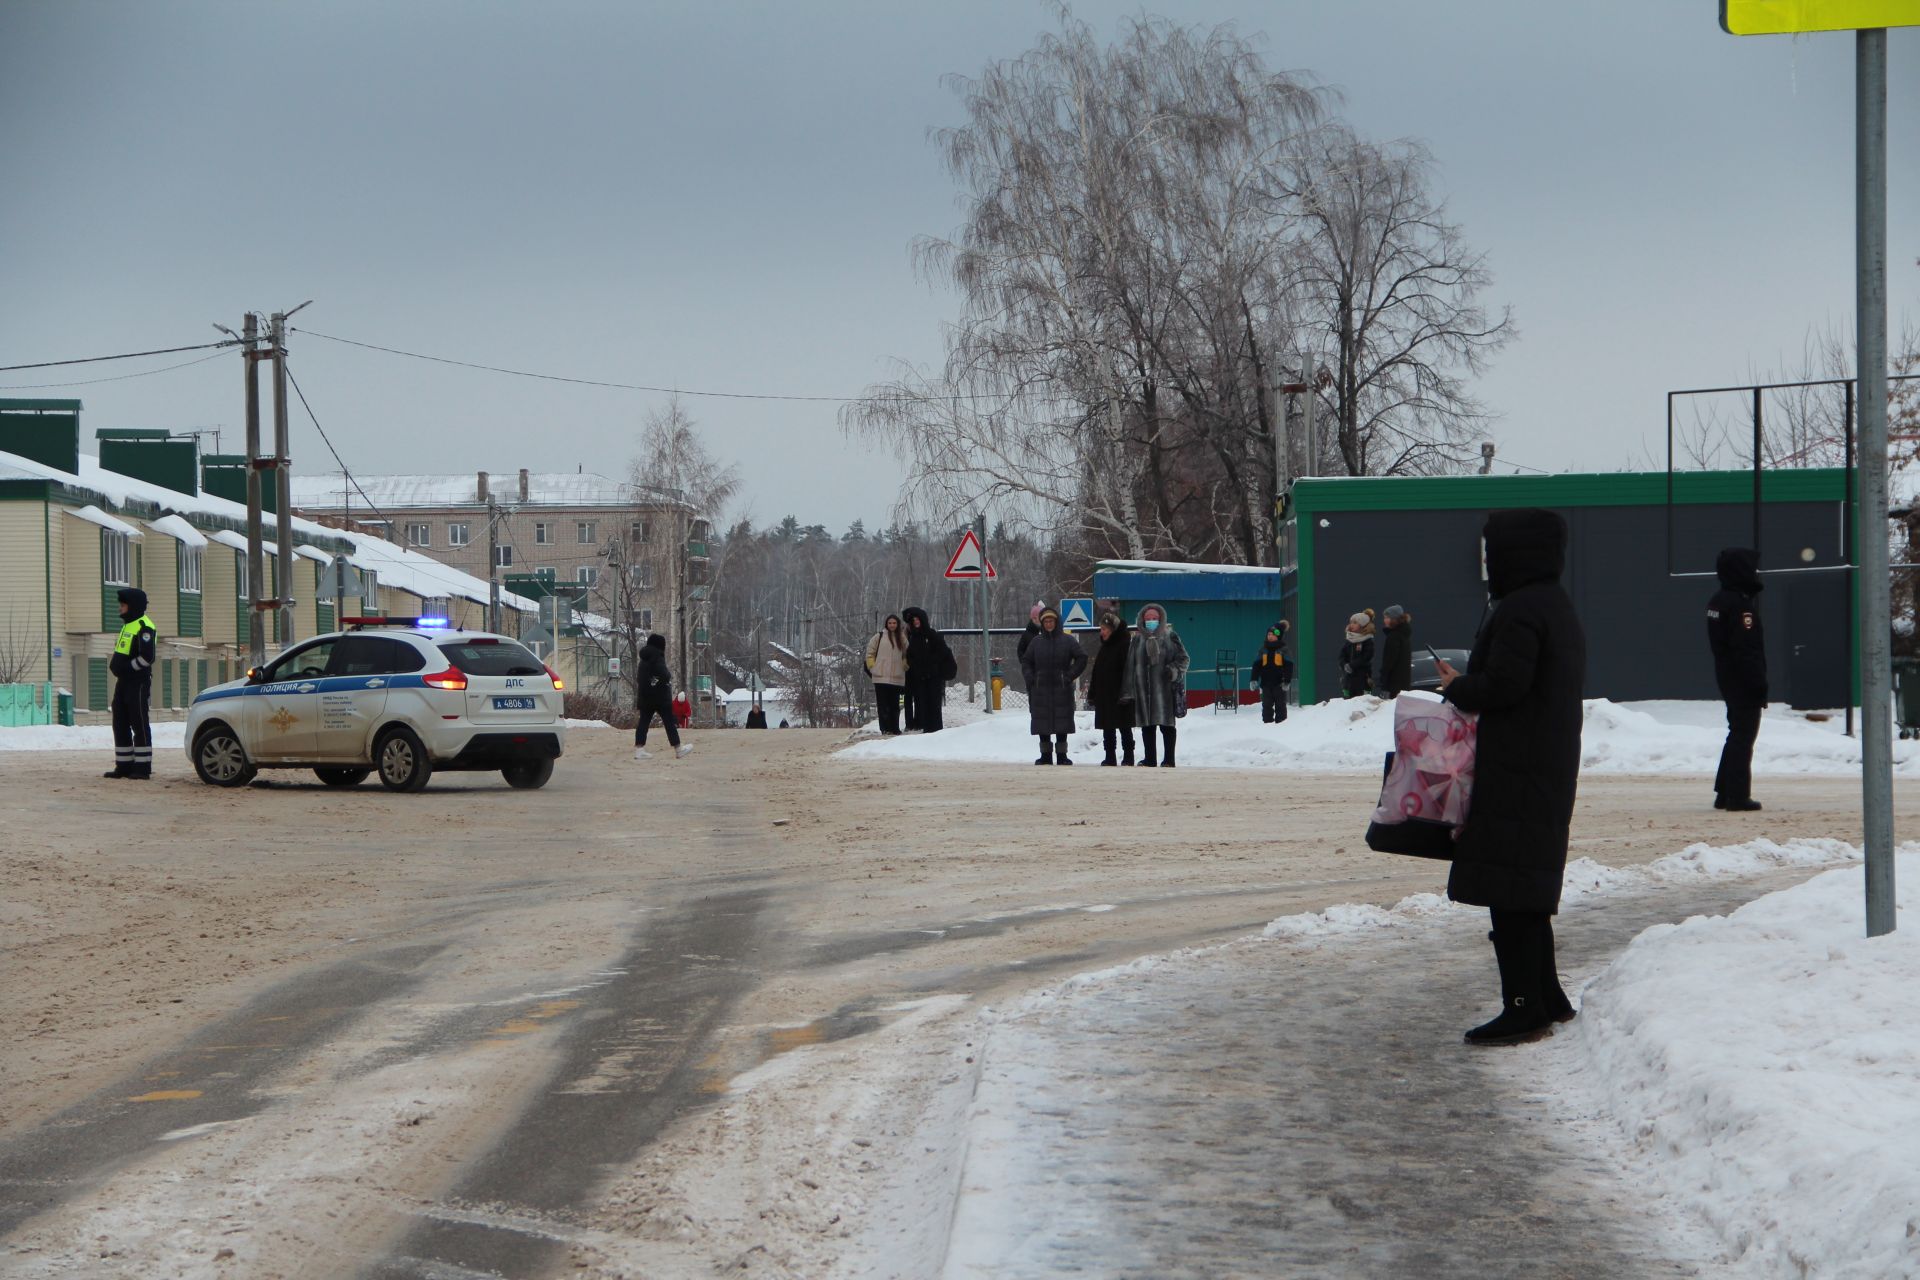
{"type": "Point", "coordinates": [30, 704]}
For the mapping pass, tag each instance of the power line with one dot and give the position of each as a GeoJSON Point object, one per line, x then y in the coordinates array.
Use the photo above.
{"type": "Point", "coordinates": [40, 386]}
{"type": "Point", "coordinates": [125, 355]}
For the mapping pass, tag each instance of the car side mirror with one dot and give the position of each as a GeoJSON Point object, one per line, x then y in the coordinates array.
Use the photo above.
{"type": "Point", "coordinates": [256, 675]}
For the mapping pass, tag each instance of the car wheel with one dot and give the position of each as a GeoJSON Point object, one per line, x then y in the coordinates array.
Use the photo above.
{"type": "Point", "coordinates": [342, 777]}
{"type": "Point", "coordinates": [528, 775]}
{"type": "Point", "coordinates": [402, 760]}
{"type": "Point", "coordinates": [219, 758]}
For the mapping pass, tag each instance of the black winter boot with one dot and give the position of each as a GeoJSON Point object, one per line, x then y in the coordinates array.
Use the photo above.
{"type": "Point", "coordinates": [1126, 753]}
{"type": "Point", "coordinates": [1524, 1015]}
{"type": "Point", "coordinates": [1046, 750]}
{"type": "Point", "coordinates": [1108, 761]}
{"type": "Point", "coordinates": [1148, 758]}
{"type": "Point", "coordinates": [1060, 749]}
{"type": "Point", "coordinates": [1552, 994]}
{"type": "Point", "coordinates": [1166, 762]}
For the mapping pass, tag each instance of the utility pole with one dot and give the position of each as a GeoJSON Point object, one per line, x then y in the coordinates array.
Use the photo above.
{"type": "Point", "coordinates": [986, 613]}
{"type": "Point", "coordinates": [493, 564]}
{"type": "Point", "coordinates": [256, 542]}
{"type": "Point", "coordinates": [282, 480]}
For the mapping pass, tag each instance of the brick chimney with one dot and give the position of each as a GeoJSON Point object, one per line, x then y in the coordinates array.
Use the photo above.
{"type": "Point", "coordinates": [524, 495]}
{"type": "Point", "coordinates": [481, 488]}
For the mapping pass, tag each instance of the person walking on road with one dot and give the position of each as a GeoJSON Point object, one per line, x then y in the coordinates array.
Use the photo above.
{"type": "Point", "coordinates": [887, 664]}
{"type": "Point", "coordinates": [1157, 681]}
{"type": "Point", "coordinates": [1272, 673]}
{"type": "Point", "coordinates": [656, 698]}
{"type": "Point", "coordinates": [930, 664]}
{"type": "Point", "coordinates": [1396, 652]}
{"type": "Point", "coordinates": [1740, 668]}
{"type": "Point", "coordinates": [1524, 679]}
{"type": "Point", "coordinates": [132, 668]}
{"type": "Point", "coordinates": [1356, 656]}
{"type": "Point", "coordinates": [1051, 663]}
{"type": "Point", "coordinates": [1107, 689]}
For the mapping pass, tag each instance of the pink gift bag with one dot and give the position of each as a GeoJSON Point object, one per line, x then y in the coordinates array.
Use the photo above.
{"type": "Point", "coordinates": [1429, 779]}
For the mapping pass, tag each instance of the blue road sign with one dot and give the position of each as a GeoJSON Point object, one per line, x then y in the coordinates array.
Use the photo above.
{"type": "Point", "coordinates": [1076, 611]}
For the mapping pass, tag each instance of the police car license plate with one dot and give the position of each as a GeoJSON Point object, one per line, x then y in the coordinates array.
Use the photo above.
{"type": "Point", "coordinates": [513, 704]}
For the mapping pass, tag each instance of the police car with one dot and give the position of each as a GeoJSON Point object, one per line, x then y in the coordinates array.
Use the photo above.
{"type": "Point", "coordinates": [401, 697]}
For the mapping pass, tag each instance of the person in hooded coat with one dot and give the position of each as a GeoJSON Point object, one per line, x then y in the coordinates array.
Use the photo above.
{"type": "Point", "coordinates": [132, 667]}
{"type": "Point", "coordinates": [1740, 669]}
{"type": "Point", "coordinates": [1396, 652]}
{"type": "Point", "coordinates": [930, 664]}
{"type": "Point", "coordinates": [1271, 674]}
{"type": "Point", "coordinates": [1156, 683]}
{"type": "Point", "coordinates": [656, 698]}
{"type": "Point", "coordinates": [1356, 655]}
{"type": "Point", "coordinates": [1524, 679]}
{"type": "Point", "coordinates": [887, 665]}
{"type": "Point", "coordinates": [1107, 689]}
{"type": "Point", "coordinates": [1051, 662]}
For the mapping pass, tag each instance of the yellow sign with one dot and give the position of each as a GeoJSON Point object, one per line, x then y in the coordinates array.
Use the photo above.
{"type": "Point", "coordinates": [283, 720]}
{"type": "Point", "coordinates": [1784, 17]}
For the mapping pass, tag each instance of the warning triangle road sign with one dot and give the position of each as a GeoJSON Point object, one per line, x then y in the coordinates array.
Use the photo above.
{"type": "Point", "coordinates": [968, 559]}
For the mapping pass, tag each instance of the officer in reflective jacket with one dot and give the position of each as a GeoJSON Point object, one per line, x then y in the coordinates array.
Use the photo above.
{"type": "Point", "coordinates": [132, 667]}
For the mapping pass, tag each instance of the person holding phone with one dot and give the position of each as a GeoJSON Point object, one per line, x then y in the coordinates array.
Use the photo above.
{"type": "Point", "coordinates": [1525, 679]}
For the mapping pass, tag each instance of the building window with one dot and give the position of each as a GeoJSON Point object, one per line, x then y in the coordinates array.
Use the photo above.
{"type": "Point", "coordinates": [588, 575]}
{"type": "Point", "coordinates": [642, 618]}
{"type": "Point", "coordinates": [419, 535]}
{"type": "Point", "coordinates": [542, 533]}
{"type": "Point", "coordinates": [241, 578]}
{"type": "Point", "coordinates": [436, 607]}
{"type": "Point", "coordinates": [116, 558]}
{"type": "Point", "coordinates": [503, 557]}
{"type": "Point", "coordinates": [188, 560]}
{"type": "Point", "coordinates": [459, 535]}
{"type": "Point", "coordinates": [640, 531]}
{"type": "Point", "coordinates": [641, 575]}
{"type": "Point", "coordinates": [369, 591]}
{"type": "Point", "coordinates": [588, 530]}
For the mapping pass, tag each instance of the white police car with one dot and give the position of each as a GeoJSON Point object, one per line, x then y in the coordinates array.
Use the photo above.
{"type": "Point", "coordinates": [402, 697]}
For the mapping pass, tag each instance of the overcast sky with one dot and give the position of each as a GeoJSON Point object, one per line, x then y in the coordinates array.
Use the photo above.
{"type": "Point", "coordinates": [721, 197]}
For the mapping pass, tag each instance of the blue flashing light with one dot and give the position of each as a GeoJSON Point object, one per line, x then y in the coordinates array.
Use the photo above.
{"type": "Point", "coordinates": [430, 622]}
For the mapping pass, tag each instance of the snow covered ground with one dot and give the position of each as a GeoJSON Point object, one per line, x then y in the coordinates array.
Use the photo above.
{"type": "Point", "coordinates": [1630, 737]}
{"type": "Point", "coordinates": [167, 736]}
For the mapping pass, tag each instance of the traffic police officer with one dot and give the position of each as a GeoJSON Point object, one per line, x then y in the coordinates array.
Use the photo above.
{"type": "Point", "coordinates": [132, 667]}
{"type": "Point", "coordinates": [1740, 669]}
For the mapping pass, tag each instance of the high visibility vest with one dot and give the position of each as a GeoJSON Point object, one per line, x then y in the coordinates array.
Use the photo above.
{"type": "Point", "coordinates": [131, 632]}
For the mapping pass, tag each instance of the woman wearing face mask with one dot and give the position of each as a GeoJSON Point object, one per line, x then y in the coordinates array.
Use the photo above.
{"type": "Point", "coordinates": [887, 664]}
{"type": "Point", "coordinates": [1156, 679]}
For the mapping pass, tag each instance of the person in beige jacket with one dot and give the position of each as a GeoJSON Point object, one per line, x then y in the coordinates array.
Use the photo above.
{"type": "Point", "coordinates": [887, 664]}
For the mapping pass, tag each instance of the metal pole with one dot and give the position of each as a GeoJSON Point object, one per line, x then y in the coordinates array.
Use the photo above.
{"type": "Point", "coordinates": [986, 633]}
{"type": "Point", "coordinates": [493, 564]}
{"type": "Point", "coordinates": [256, 541]}
{"type": "Point", "coordinates": [1313, 440]}
{"type": "Point", "coordinates": [1756, 475]}
{"type": "Point", "coordinates": [1849, 543]}
{"type": "Point", "coordinates": [1876, 618]}
{"type": "Point", "coordinates": [282, 482]}
{"type": "Point", "coordinates": [1280, 449]}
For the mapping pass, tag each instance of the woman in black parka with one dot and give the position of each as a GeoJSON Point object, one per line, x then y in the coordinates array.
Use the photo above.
{"type": "Point", "coordinates": [930, 664]}
{"type": "Point", "coordinates": [1051, 662]}
{"type": "Point", "coordinates": [1525, 679]}
{"type": "Point", "coordinates": [1107, 689]}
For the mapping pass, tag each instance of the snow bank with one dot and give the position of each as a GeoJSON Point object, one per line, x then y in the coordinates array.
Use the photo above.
{"type": "Point", "coordinates": [1765, 1069]}
{"type": "Point", "coordinates": [167, 736]}
{"type": "Point", "coordinates": [1340, 737]}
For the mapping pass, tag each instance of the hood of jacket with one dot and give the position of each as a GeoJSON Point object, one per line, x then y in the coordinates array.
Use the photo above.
{"type": "Point", "coordinates": [908, 614]}
{"type": "Point", "coordinates": [1140, 621]}
{"type": "Point", "coordinates": [657, 641]}
{"type": "Point", "coordinates": [1739, 570]}
{"type": "Point", "coordinates": [137, 598]}
{"type": "Point", "coordinates": [1524, 546]}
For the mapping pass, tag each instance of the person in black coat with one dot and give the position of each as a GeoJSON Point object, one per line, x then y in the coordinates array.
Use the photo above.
{"type": "Point", "coordinates": [135, 650]}
{"type": "Point", "coordinates": [1356, 656]}
{"type": "Point", "coordinates": [1740, 669]}
{"type": "Point", "coordinates": [1525, 678]}
{"type": "Point", "coordinates": [1107, 689]}
{"type": "Point", "coordinates": [1271, 674]}
{"type": "Point", "coordinates": [1396, 652]}
{"type": "Point", "coordinates": [1051, 661]}
{"type": "Point", "coordinates": [656, 698]}
{"type": "Point", "coordinates": [930, 664]}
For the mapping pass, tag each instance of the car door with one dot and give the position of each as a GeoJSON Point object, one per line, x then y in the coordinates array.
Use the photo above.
{"type": "Point", "coordinates": [354, 695]}
{"type": "Point", "coordinates": [285, 719]}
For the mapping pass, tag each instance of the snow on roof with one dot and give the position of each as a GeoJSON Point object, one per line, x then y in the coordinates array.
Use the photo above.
{"type": "Point", "coordinates": [546, 488]}
{"type": "Point", "coordinates": [396, 566]}
{"type": "Point", "coordinates": [95, 515]}
{"type": "Point", "coordinates": [179, 530]}
{"type": "Point", "coordinates": [312, 552]}
{"type": "Point", "coordinates": [1174, 566]}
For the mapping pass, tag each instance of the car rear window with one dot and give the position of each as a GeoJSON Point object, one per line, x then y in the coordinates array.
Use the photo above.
{"type": "Point", "coordinates": [492, 658]}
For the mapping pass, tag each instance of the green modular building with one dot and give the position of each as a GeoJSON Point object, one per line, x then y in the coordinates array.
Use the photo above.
{"type": "Point", "coordinates": [1220, 611]}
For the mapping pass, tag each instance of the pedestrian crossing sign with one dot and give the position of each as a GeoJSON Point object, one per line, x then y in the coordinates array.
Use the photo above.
{"type": "Point", "coordinates": [1076, 611]}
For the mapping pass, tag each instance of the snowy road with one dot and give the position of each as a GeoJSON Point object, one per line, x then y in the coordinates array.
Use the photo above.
{"type": "Point", "coordinates": [724, 1012]}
